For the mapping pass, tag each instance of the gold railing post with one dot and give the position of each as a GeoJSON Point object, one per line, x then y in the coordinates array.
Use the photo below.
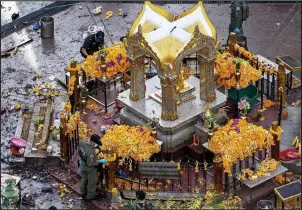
{"type": "Point", "coordinates": [281, 83]}
{"type": "Point", "coordinates": [232, 42]}
{"type": "Point", "coordinates": [63, 140]}
{"type": "Point", "coordinates": [218, 173]}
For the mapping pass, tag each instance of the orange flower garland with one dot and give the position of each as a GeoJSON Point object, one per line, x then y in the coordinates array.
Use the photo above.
{"type": "Point", "coordinates": [130, 142]}
{"type": "Point", "coordinates": [225, 68]}
{"type": "Point", "coordinates": [116, 61]}
{"type": "Point", "coordinates": [236, 140]}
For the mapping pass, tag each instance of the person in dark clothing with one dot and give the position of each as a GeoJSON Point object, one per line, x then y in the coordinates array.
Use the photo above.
{"type": "Point", "coordinates": [92, 44]}
{"type": "Point", "coordinates": [141, 203]}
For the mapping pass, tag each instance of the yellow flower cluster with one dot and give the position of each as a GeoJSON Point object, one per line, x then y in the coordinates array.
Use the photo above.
{"type": "Point", "coordinates": [226, 68]}
{"type": "Point", "coordinates": [17, 106]}
{"type": "Point", "coordinates": [83, 130]}
{"type": "Point", "coordinates": [130, 142]}
{"type": "Point", "coordinates": [67, 107]}
{"type": "Point", "coordinates": [266, 166]}
{"type": "Point", "coordinates": [71, 85]}
{"type": "Point", "coordinates": [116, 61]}
{"type": "Point", "coordinates": [92, 67]}
{"type": "Point", "coordinates": [231, 202]}
{"type": "Point", "coordinates": [72, 123]}
{"type": "Point", "coordinates": [236, 140]}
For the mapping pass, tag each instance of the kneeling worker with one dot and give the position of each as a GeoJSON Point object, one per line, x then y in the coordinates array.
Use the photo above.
{"type": "Point", "coordinates": [92, 44]}
{"type": "Point", "coordinates": [89, 165]}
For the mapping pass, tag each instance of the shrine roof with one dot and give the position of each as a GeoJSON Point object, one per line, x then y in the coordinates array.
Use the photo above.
{"type": "Point", "coordinates": [167, 38]}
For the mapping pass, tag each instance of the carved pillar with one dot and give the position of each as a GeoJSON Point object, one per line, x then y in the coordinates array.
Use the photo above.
{"type": "Point", "coordinates": [281, 82]}
{"type": "Point", "coordinates": [218, 173]}
{"type": "Point", "coordinates": [202, 63]}
{"type": "Point", "coordinates": [169, 99]}
{"type": "Point", "coordinates": [210, 79]}
{"type": "Point", "coordinates": [276, 132]}
{"type": "Point", "coordinates": [207, 79]}
{"type": "Point", "coordinates": [232, 42]}
{"type": "Point", "coordinates": [63, 139]}
{"type": "Point", "coordinates": [137, 90]}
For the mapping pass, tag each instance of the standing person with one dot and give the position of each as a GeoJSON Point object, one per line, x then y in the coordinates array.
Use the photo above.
{"type": "Point", "coordinates": [89, 164]}
{"type": "Point", "coordinates": [92, 44]}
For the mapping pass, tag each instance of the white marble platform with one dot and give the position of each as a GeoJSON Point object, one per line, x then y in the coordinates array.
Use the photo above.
{"type": "Point", "coordinates": [172, 133]}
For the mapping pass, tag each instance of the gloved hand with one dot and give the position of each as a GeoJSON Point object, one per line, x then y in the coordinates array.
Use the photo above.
{"type": "Point", "coordinates": [102, 161]}
{"type": "Point", "coordinates": [79, 163]}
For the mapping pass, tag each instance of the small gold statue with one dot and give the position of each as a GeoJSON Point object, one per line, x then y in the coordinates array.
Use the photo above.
{"type": "Point", "coordinates": [183, 75]}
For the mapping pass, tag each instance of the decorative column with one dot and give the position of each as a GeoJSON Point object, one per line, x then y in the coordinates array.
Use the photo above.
{"type": "Point", "coordinates": [218, 173]}
{"type": "Point", "coordinates": [210, 79]}
{"type": "Point", "coordinates": [137, 91]}
{"type": "Point", "coordinates": [63, 139]}
{"type": "Point", "coordinates": [276, 132]}
{"type": "Point", "coordinates": [202, 63]}
{"type": "Point", "coordinates": [73, 71]}
{"type": "Point", "coordinates": [207, 79]}
{"type": "Point", "coordinates": [169, 98]}
{"type": "Point", "coordinates": [232, 42]}
{"type": "Point", "coordinates": [281, 82]}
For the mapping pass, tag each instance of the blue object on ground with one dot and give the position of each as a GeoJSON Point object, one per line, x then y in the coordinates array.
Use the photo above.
{"type": "Point", "coordinates": [36, 26]}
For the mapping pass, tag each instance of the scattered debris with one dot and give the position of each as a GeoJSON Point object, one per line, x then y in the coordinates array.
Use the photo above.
{"type": "Point", "coordinates": [297, 103]}
{"type": "Point", "coordinates": [108, 15]}
{"type": "Point", "coordinates": [28, 200]}
{"type": "Point", "coordinates": [284, 115]}
{"type": "Point", "coordinates": [15, 16]}
{"type": "Point", "coordinates": [36, 26]}
{"type": "Point", "coordinates": [3, 110]}
{"type": "Point", "coordinates": [97, 10]}
{"type": "Point", "coordinates": [17, 106]}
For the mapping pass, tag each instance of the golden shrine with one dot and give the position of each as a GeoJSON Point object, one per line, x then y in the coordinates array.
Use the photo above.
{"type": "Point", "coordinates": [168, 39]}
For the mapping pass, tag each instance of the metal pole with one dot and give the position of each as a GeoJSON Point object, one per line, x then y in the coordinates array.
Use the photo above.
{"type": "Point", "coordinates": [262, 91]}
{"type": "Point", "coordinates": [280, 109]}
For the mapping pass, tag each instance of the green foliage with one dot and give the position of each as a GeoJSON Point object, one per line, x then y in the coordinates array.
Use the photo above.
{"type": "Point", "coordinates": [55, 133]}
{"type": "Point", "coordinates": [194, 203]}
{"type": "Point", "coordinates": [38, 120]}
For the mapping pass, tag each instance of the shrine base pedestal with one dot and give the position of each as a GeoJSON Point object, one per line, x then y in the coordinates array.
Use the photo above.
{"type": "Point", "coordinates": [172, 133]}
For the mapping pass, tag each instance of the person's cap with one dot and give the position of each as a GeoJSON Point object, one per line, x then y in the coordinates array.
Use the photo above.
{"type": "Point", "coordinates": [99, 36]}
{"type": "Point", "coordinates": [122, 38]}
{"type": "Point", "coordinates": [96, 139]}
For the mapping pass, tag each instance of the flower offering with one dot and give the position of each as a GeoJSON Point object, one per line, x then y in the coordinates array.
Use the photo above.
{"type": "Point", "coordinates": [130, 142]}
{"type": "Point", "coordinates": [236, 140]}
{"type": "Point", "coordinates": [115, 58]}
{"type": "Point", "coordinates": [225, 67]}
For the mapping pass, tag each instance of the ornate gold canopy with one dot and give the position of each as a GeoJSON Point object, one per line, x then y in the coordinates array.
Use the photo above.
{"type": "Point", "coordinates": [168, 42]}
{"type": "Point", "coordinates": [168, 38]}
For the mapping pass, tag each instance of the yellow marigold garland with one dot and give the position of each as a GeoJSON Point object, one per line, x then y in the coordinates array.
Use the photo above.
{"type": "Point", "coordinates": [236, 140]}
{"type": "Point", "coordinates": [130, 142]}
{"type": "Point", "coordinates": [278, 132]}
{"type": "Point", "coordinates": [225, 68]}
{"type": "Point", "coordinates": [116, 61]}
{"type": "Point", "coordinates": [268, 165]}
{"type": "Point", "coordinates": [71, 85]}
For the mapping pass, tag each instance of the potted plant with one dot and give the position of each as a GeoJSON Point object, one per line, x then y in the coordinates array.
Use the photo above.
{"type": "Point", "coordinates": [153, 124]}
{"type": "Point", "coordinates": [244, 107]}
